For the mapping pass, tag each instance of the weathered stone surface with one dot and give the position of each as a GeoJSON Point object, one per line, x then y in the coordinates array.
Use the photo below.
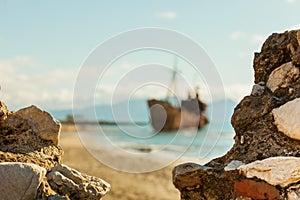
{"type": "Point", "coordinates": [282, 76]}
{"type": "Point", "coordinates": [233, 165]}
{"type": "Point", "coordinates": [21, 140]}
{"type": "Point", "coordinates": [197, 182]}
{"type": "Point", "coordinates": [67, 181]}
{"type": "Point", "coordinates": [256, 190]}
{"type": "Point", "coordinates": [31, 135]}
{"type": "Point", "coordinates": [276, 51]}
{"type": "Point", "coordinates": [20, 180]}
{"type": "Point", "coordinates": [257, 135]}
{"type": "Point", "coordinates": [258, 89]}
{"type": "Point", "coordinates": [275, 170]}
{"type": "Point", "coordinates": [296, 57]}
{"type": "Point", "coordinates": [293, 192]}
{"type": "Point", "coordinates": [287, 118]}
{"type": "Point", "coordinates": [243, 198]}
{"type": "Point", "coordinates": [3, 111]}
{"type": "Point", "coordinates": [187, 175]}
{"type": "Point", "coordinates": [39, 121]}
{"type": "Point", "coordinates": [46, 157]}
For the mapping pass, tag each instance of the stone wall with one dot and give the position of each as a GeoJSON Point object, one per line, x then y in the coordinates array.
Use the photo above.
{"type": "Point", "coordinates": [264, 162]}
{"type": "Point", "coordinates": [30, 160]}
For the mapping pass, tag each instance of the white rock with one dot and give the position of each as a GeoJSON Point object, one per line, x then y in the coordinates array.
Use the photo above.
{"type": "Point", "coordinates": [275, 170]}
{"type": "Point", "coordinates": [20, 180]}
{"type": "Point", "coordinates": [67, 181]}
{"type": "Point", "coordinates": [293, 192]}
{"type": "Point", "coordinates": [282, 76]}
{"type": "Point", "coordinates": [233, 165]}
{"type": "Point", "coordinates": [287, 118]}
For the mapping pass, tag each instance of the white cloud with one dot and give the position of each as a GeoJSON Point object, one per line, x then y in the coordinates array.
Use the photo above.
{"type": "Point", "coordinates": [291, 1]}
{"type": "Point", "coordinates": [54, 89]}
{"type": "Point", "coordinates": [169, 15]}
{"type": "Point", "coordinates": [23, 84]}
{"type": "Point", "coordinates": [237, 35]}
{"type": "Point", "coordinates": [17, 62]}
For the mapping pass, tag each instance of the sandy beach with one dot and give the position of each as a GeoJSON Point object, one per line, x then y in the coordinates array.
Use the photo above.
{"type": "Point", "coordinates": [125, 186]}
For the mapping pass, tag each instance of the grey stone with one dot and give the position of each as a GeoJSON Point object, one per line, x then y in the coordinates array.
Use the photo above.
{"type": "Point", "coordinates": [258, 89]}
{"type": "Point", "coordinates": [233, 165]}
{"type": "Point", "coordinates": [67, 181]}
{"type": "Point", "coordinates": [20, 181]}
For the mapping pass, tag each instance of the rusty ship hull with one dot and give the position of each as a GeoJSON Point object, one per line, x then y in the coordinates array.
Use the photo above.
{"type": "Point", "coordinates": [166, 117]}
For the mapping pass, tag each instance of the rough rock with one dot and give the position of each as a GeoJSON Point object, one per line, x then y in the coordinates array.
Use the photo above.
{"type": "Point", "coordinates": [293, 192]}
{"type": "Point", "coordinates": [20, 180]}
{"type": "Point", "coordinates": [67, 181]}
{"type": "Point", "coordinates": [3, 111]}
{"type": "Point", "coordinates": [282, 76]}
{"type": "Point", "coordinates": [258, 89]}
{"type": "Point", "coordinates": [190, 172]}
{"type": "Point", "coordinates": [277, 50]}
{"type": "Point", "coordinates": [258, 135]}
{"type": "Point", "coordinates": [256, 190]}
{"type": "Point", "coordinates": [28, 137]}
{"type": "Point", "coordinates": [23, 137]}
{"type": "Point", "coordinates": [296, 57]}
{"type": "Point", "coordinates": [40, 122]}
{"type": "Point", "coordinates": [287, 118]}
{"type": "Point", "coordinates": [281, 171]}
{"type": "Point", "coordinates": [199, 182]}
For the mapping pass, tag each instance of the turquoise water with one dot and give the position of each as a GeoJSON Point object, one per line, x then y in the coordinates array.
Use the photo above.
{"type": "Point", "coordinates": [187, 144]}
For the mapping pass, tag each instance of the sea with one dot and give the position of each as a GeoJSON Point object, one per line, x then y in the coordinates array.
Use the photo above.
{"type": "Point", "coordinates": [140, 143]}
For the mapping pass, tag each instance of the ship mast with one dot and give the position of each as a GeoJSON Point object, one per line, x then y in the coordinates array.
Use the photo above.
{"type": "Point", "coordinates": [172, 85]}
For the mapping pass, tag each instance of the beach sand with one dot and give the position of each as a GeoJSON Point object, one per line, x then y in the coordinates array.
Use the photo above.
{"type": "Point", "coordinates": [125, 186]}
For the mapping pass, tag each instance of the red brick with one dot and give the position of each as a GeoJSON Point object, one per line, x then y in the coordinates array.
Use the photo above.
{"type": "Point", "coordinates": [256, 190]}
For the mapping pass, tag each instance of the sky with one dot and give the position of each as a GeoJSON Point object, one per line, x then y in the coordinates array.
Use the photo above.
{"type": "Point", "coordinates": [43, 44]}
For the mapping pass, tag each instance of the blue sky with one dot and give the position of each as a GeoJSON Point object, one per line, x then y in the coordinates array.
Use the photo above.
{"type": "Point", "coordinates": [44, 43]}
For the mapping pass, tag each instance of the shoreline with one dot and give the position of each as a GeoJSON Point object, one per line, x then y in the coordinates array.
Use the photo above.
{"type": "Point", "coordinates": [155, 152]}
{"type": "Point", "coordinates": [126, 186]}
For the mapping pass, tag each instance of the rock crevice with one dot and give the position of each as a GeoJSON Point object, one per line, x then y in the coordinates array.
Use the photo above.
{"type": "Point", "coordinates": [30, 160]}
{"type": "Point", "coordinates": [262, 164]}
